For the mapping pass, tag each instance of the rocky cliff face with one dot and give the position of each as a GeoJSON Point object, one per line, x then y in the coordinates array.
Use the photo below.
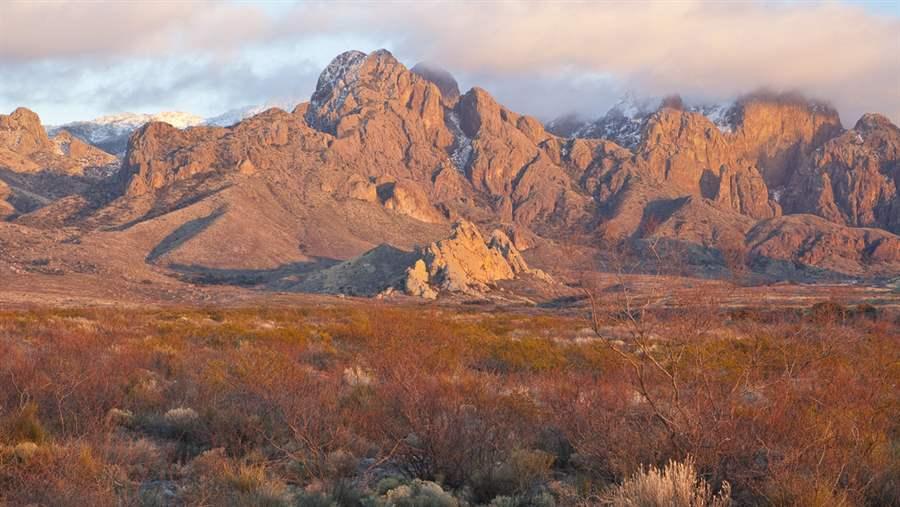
{"type": "Point", "coordinates": [853, 179]}
{"type": "Point", "coordinates": [687, 151]}
{"type": "Point", "coordinates": [779, 133]}
{"type": "Point", "coordinates": [21, 133]}
{"type": "Point", "coordinates": [36, 170]}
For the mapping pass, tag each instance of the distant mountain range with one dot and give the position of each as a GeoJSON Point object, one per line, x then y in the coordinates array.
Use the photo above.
{"type": "Point", "coordinates": [110, 133]}
{"type": "Point", "coordinates": [369, 177]}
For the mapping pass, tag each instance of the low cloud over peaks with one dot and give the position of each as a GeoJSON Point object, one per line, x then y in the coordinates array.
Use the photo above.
{"type": "Point", "coordinates": [833, 51]}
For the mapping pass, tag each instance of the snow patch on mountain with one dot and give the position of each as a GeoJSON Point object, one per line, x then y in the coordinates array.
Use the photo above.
{"type": "Point", "coordinates": [104, 127]}
{"type": "Point", "coordinates": [462, 146]}
{"type": "Point", "coordinates": [110, 133]}
{"type": "Point", "coordinates": [234, 116]}
{"type": "Point", "coordinates": [720, 114]}
{"type": "Point", "coordinates": [237, 115]}
{"type": "Point", "coordinates": [338, 76]}
{"type": "Point", "coordinates": [623, 123]}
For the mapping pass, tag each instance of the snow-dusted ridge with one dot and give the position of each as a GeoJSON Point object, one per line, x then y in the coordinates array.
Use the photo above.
{"type": "Point", "coordinates": [108, 126]}
{"type": "Point", "coordinates": [111, 132]}
{"type": "Point", "coordinates": [339, 75]}
{"type": "Point", "coordinates": [624, 121]}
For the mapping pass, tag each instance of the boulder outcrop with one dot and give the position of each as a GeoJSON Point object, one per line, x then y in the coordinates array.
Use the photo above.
{"type": "Point", "coordinates": [467, 263]}
{"type": "Point", "coordinates": [464, 263]}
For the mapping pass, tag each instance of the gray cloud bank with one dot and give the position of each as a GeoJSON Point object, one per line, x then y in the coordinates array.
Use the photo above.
{"type": "Point", "coordinates": [541, 58]}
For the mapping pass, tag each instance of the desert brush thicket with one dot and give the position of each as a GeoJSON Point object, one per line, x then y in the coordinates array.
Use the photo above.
{"type": "Point", "coordinates": [389, 405]}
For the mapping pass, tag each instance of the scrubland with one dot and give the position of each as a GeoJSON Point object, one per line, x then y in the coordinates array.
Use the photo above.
{"type": "Point", "coordinates": [375, 404]}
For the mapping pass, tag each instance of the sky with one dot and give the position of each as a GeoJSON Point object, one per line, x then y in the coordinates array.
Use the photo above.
{"type": "Point", "coordinates": [76, 60]}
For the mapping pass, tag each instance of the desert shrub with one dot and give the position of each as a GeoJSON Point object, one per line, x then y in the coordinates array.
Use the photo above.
{"type": "Point", "coordinates": [24, 426]}
{"type": "Point", "coordinates": [219, 480]}
{"type": "Point", "coordinates": [448, 427]}
{"type": "Point", "coordinates": [521, 472]}
{"type": "Point", "coordinates": [675, 485]}
{"type": "Point", "coordinates": [417, 493]}
{"type": "Point", "coordinates": [70, 475]}
{"type": "Point", "coordinates": [527, 354]}
{"type": "Point", "coordinates": [828, 312]}
{"type": "Point", "coordinates": [180, 425]}
{"type": "Point", "coordinates": [314, 499]}
{"type": "Point", "coordinates": [539, 499]}
{"type": "Point", "coordinates": [866, 311]}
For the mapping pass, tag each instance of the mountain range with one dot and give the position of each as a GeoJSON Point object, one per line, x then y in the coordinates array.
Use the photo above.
{"type": "Point", "coordinates": [110, 133]}
{"type": "Point", "coordinates": [384, 181]}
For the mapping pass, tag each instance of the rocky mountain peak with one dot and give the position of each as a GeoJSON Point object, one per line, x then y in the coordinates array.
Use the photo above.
{"type": "Point", "coordinates": [478, 110]}
{"type": "Point", "coordinates": [340, 72]}
{"type": "Point", "coordinates": [151, 161]}
{"type": "Point", "coordinates": [623, 122]}
{"type": "Point", "coordinates": [352, 81]}
{"type": "Point", "coordinates": [24, 117]}
{"type": "Point", "coordinates": [380, 156]}
{"type": "Point", "coordinates": [21, 132]}
{"type": "Point", "coordinates": [873, 121]}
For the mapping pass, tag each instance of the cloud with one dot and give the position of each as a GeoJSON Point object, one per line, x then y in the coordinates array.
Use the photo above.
{"type": "Point", "coordinates": [537, 57]}
{"type": "Point", "coordinates": [32, 30]}
{"type": "Point", "coordinates": [201, 85]}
